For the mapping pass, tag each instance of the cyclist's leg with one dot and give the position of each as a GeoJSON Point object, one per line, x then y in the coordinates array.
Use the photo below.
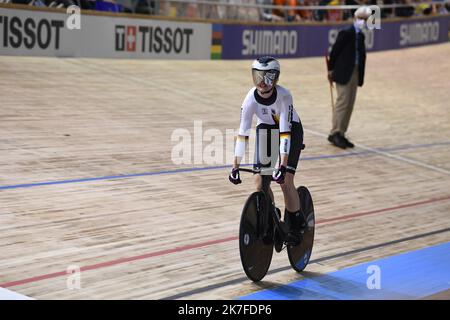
{"type": "Point", "coordinates": [291, 200]}
{"type": "Point", "coordinates": [293, 216]}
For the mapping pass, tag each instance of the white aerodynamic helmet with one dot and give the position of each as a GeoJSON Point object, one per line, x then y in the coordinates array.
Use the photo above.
{"type": "Point", "coordinates": [265, 72]}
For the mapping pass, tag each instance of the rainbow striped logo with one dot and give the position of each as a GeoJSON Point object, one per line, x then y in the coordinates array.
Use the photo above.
{"type": "Point", "coordinates": [216, 42]}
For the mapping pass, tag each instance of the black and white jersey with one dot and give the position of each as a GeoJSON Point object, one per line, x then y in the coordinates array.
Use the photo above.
{"type": "Point", "coordinates": [276, 110]}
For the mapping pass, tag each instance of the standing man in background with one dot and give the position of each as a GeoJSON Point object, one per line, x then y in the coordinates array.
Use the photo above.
{"type": "Point", "coordinates": [346, 68]}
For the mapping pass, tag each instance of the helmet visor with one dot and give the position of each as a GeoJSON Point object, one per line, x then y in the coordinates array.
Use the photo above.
{"type": "Point", "coordinates": [266, 77]}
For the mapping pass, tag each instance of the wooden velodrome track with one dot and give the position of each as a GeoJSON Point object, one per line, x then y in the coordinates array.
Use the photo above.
{"type": "Point", "coordinates": [164, 233]}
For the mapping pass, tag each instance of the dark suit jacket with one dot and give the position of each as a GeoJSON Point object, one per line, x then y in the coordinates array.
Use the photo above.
{"type": "Point", "coordinates": [343, 56]}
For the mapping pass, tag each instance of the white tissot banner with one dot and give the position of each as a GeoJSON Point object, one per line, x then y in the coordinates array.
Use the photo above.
{"type": "Point", "coordinates": [37, 33]}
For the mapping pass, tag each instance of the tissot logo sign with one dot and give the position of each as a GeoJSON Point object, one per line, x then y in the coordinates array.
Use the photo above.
{"type": "Point", "coordinates": [153, 39]}
{"type": "Point", "coordinates": [29, 33]}
{"type": "Point", "coordinates": [41, 33]}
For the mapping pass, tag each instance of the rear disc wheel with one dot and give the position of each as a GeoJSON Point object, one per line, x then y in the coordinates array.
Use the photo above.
{"type": "Point", "coordinates": [300, 254]}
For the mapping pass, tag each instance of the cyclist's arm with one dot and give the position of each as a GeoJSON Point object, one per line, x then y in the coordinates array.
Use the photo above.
{"type": "Point", "coordinates": [284, 160]}
{"type": "Point", "coordinates": [286, 114]}
{"type": "Point", "coordinates": [247, 111]}
{"type": "Point", "coordinates": [239, 152]}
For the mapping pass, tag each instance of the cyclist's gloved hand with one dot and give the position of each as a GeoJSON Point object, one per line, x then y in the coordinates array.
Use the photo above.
{"type": "Point", "coordinates": [235, 177]}
{"type": "Point", "coordinates": [279, 174]}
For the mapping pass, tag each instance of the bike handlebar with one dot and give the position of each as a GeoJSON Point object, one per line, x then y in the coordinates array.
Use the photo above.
{"type": "Point", "coordinates": [258, 171]}
{"type": "Point", "coordinates": [250, 170]}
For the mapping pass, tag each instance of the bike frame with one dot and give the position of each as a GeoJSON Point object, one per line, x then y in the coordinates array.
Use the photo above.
{"type": "Point", "coordinates": [266, 180]}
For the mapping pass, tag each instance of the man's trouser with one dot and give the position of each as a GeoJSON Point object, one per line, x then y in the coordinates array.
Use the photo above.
{"type": "Point", "coordinates": [346, 95]}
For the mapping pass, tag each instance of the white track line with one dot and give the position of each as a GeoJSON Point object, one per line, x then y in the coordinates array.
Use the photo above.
{"type": "Point", "coordinates": [6, 294]}
{"type": "Point", "coordinates": [390, 155]}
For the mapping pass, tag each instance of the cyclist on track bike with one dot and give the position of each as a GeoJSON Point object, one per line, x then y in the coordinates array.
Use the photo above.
{"type": "Point", "coordinates": [273, 106]}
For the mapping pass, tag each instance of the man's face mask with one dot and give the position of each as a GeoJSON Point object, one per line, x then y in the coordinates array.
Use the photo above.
{"type": "Point", "coordinates": [360, 23]}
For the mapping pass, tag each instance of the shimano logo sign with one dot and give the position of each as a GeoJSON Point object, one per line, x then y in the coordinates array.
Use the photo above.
{"type": "Point", "coordinates": [419, 33]}
{"type": "Point", "coordinates": [269, 42]}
